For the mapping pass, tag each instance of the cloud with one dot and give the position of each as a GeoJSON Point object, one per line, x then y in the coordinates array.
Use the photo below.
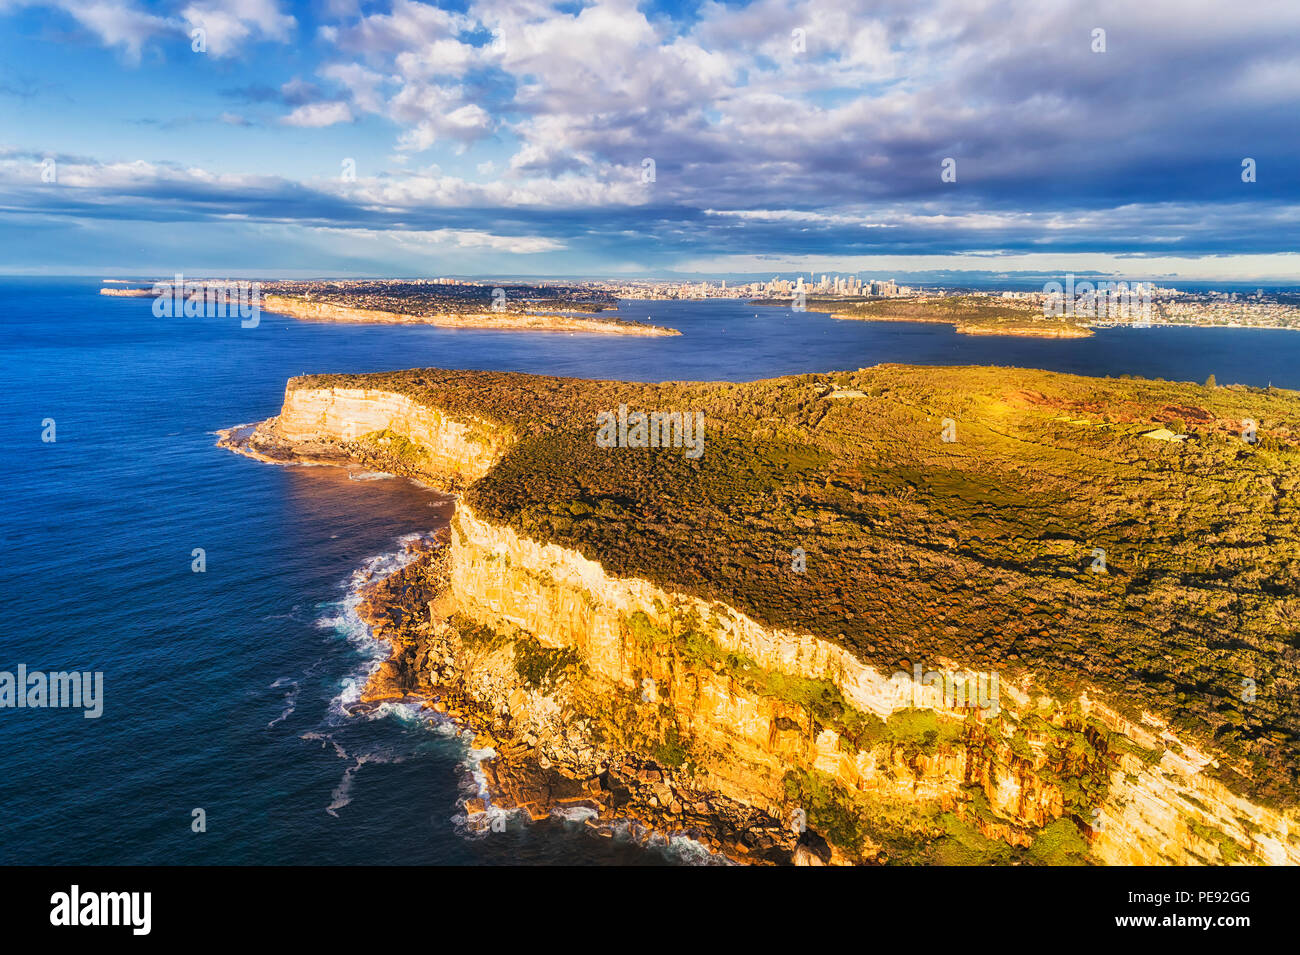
{"type": "Point", "coordinates": [364, 86]}
{"type": "Point", "coordinates": [116, 24]}
{"type": "Point", "coordinates": [128, 26]}
{"type": "Point", "coordinates": [458, 238]}
{"type": "Point", "coordinates": [230, 24]}
{"type": "Point", "coordinates": [319, 114]}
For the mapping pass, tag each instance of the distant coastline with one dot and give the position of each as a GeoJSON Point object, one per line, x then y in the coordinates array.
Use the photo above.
{"type": "Point", "coordinates": [128, 292]}
{"type": "Point", "coordinates": [294, 307]}
{"type": "Point", "coordinates": [1057, 330]}
{"type": "Point", "coordinates": [536, 321]}
{"type": "Point", "coordinates": [972, 324]}
{"type": "Point", "coordinates": [977, 318]}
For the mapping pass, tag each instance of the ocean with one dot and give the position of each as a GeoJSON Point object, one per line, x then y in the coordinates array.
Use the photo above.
{"type": "Point", "coordinates": [224, 690]}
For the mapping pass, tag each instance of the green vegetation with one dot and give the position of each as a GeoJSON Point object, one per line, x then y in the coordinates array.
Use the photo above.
{"type": "Point", "coordinates": [820, 699]}
{"type": "Point", "coordinates": [673, 751]}
{"type": "Point", "coordinates": [540, 666]}
{"type": "Point", "coordinates": [1121, 742]}
{"type": "Point", "coordinates": [1059, 843]}
{"type": "Point", "coordinates": [967, 313]}
{"type": "Point", "coordinates": [1229, 851]}
{"type": "Point", "coordinates": [830, 810]}
{"type": "Point", "coordinates": [409, 455]}
{"type": "Point", "coordinates": [921, 834]}
{"type": "Point", "coordinates": [983, 550]}
{"type": "Point", "coordinates": [476, 637]}
{"type": "Point", "coordinates": [961, 843]}
{"type": "Point", "coordinates": [1077, 761]}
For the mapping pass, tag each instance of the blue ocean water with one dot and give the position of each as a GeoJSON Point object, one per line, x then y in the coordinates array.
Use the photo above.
{"type": "Point", "coordinates": [223, 688]}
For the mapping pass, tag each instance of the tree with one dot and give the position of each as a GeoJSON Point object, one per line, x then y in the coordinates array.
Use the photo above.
{"type": "Point", "coordinates": [1209, 382]}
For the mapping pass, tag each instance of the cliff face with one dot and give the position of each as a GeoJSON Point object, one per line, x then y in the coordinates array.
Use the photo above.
{"type": "Point", "coordinates": [586, 674]}
{"type": "Point", "coordinates": [380, 429]}
{"type": "Point", "coordinates": [750, 736]}
{"type": "Point", "coordinates": [419, 439]}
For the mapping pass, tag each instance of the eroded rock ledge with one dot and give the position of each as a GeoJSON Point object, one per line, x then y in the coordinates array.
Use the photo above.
{"type": "Point", "coordinates": [631, 699]}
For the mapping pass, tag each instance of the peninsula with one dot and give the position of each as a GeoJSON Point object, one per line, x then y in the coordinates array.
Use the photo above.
{"type": "Point", "coordinates": [969, 315]}
{"type": "Point", "coordinates": [505, 320]}
{"type": "Point", "coordinates": [544, 308]}
{"type": "Point", "coordinates": [897, 615]}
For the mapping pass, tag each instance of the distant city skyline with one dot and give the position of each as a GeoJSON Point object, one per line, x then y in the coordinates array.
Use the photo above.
{"type": "Point", "coordinates": [901, 139]}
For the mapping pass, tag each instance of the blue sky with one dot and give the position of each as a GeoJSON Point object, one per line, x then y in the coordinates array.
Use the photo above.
{"type": "Point", "coordinates": [514, 137]}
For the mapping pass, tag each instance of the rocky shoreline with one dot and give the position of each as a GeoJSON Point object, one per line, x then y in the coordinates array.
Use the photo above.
{"type": "Point", "coordinates": [128, 292]}
{"type": "Point", "coordinates": [431, 660]}
{"type": "Point", "coordinates": [433, 663]}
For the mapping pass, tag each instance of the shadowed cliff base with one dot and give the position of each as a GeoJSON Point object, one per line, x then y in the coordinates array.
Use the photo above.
{"type": "Point", "coordinates": [1131, 594]}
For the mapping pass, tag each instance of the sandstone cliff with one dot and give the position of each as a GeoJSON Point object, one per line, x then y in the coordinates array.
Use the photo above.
{"type": "Point", "coordinates": [771, 744]}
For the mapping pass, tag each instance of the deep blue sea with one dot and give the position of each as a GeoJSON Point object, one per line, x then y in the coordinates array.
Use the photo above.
{"type": "Point", "coordinates": [223, 689]}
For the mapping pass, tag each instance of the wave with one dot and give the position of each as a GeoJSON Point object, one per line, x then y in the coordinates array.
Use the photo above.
{"type": "Point", "coordinates": [291, 699]}
{"type": "Point", "coordinates": [346, 622]}
{"type": "Point", "coordinates": [675, 847]}
{"type": "Point", "coordinates": [346, 709]}
{"type": "Point", "coordinates": [341, 796]}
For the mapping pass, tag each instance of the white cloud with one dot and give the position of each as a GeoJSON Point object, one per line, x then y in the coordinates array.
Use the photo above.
{"type": "Point", "coordinates": [118, 24]}
{"type": "Point", "coordinates": [229, 24]}
{"type": "Point", "coordinates": [319, 114]}
{"type": "Point", "coordinates": [129, 26]}
{"type": "Point", "coordinates": [451, 238]}
{"type": "Point", "coordinates": [364, 86]}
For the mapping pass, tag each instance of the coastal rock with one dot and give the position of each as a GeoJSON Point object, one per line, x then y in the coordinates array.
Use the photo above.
{"type": "Point", "coordinates": [777, 742]}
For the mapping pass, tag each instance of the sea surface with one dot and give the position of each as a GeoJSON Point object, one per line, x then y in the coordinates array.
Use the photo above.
{"type": "Point", "coordinates": [224, 690]}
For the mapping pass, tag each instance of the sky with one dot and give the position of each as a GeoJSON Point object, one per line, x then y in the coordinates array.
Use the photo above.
{"type": "Point", "coordinates": [1144, 139]}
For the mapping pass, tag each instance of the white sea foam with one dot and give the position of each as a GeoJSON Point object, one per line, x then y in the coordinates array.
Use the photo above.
{"type": "Point", "coordinates": [342, 794]}
{"type": "Point", "coordinates": [290, 698]}
{"type": "Point", "coordinates": [684, 849]}
{"type": "Point", "coordinates": [473, 784]}
{"type": "Point", "coordinates": [574, 813]}
{"type": "Point", "coordinates": [348, 623]}
{"type": "Point", "coordinates": [327, 739]}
